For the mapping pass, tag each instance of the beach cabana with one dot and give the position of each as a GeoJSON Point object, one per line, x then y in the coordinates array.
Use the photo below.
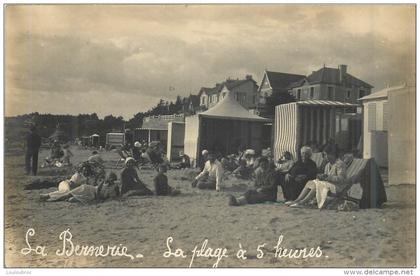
{"type": "Point", "coordinates": [389, 131]}
{"type": "Point", "coordinates": [298, 123]}
{"type": "Point", "coordinates": [224, 128]}
{"type": "Point", "coordinates": [94, 140]}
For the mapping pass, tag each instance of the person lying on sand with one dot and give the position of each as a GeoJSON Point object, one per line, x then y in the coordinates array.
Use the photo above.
{"type": "Point", "coordinates": [293, 182]}
{"type": "Point", "coordinates": [332, 180]}
{"type": "Point", "coordinates": [87, 193]}
{"type": "Point", "coordinates": [265, 187]}
{"type": "Point", "coordinates": [161, 183]}
{"type": "Point", "coordinates": [81, 176]}
{"type": "Point", "coordinates": [211, 176]}
{"type": "Point", "coordinates": [130, 182]}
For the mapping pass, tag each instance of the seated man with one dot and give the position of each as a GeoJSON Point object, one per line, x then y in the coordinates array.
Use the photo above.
{"type": "Point", "coordinates": [161, 183]}
{"type": "Point", "coordinates": [302, 171]}
{"type": "Point", "coordinates": [265, 187]}
{"type": "Point", "coordinates": [130, 181]}
{"type": "Point", "coordinates": [211, 176]}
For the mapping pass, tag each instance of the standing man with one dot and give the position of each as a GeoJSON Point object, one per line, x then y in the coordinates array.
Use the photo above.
{"type": "Point", "coordinates": [33, 143]}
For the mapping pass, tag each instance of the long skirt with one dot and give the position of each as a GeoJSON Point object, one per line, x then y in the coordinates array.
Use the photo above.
{"type": "Point", "coordinates": [322, 189]}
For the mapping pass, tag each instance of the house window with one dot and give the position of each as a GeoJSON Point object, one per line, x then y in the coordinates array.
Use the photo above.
{"type": "Point", "coordinates": [311, 95]}
{"type": "Point", "coordinates": [223, 95]}
{"type": "Point", "coordinates": [298, 94]}
{"type": "Point", "coordinates": [330, 93]}
{"type": "Point", "coordinates": [254, 99]}
{"type": "Point", "coordinates": [202, 100]}
{"type": "Point", "coordinates": [361, 93]}
{"type": "Point", "coordinates": [348, 94]}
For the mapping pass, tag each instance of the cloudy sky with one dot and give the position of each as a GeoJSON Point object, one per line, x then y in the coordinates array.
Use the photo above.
{"type": "Point", "coordinates": [122, 59]}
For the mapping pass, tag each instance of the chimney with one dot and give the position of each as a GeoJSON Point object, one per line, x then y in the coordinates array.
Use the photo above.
{"type": "Point", "coordinates": [343, 70]}
{"type": "Point", "coordinates": [248, 77]}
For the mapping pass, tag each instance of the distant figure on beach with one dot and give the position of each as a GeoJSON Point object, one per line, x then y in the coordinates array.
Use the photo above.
{"type": "Point", "coordinates": [204, 158]}
{"type": "Point", "coordinates": [136, 151]}
{"type": "Point", "coordinates": [33, 143]}
{"type": "Point", "coordinates": [265, 187]}
{"type": "Point", "coordinates": [67, 155]}
{"type": "Point", "coordinates": [185, 161]}
{"type": "Point", "coordinates": [161, 183]}
{"type": "Point", "coordinates": [211, 176]}
{"type": "Point", "coordinates": [332, 180]}
{"type": "Point", "coordinates": [56, 154]}
{"type": "Point", "coordinates": [302, 171]}
{"type": "Point", "coordinates": [131, 184]}
{"type": "Point", "coordinates": [96, 158]}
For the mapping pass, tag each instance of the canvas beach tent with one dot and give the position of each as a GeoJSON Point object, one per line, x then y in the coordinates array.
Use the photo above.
{"type": "Point", "coordinates": [314, 120]}
{"type": "Point", "coordinates": [223, 128]}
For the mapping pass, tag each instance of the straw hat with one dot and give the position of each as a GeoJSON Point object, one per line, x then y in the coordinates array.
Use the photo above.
{"type": "Point", "coordinates": [137, 144]}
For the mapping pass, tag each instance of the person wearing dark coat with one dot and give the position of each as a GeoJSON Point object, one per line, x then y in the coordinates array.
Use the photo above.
{"type": "Point", "coordinates": [33, 143]}
{"type": "Point", "coordinates": [161, 183]}
{"type": "Point", "coordinates": [302, 171]}
{"type": "Point", "coordinates": [265, 187]}
{"type": "Point", "coordinates": [130, 182]}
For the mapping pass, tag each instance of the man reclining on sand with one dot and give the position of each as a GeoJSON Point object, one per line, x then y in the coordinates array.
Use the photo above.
{"type": "Point", "coordinates": [161, 183]}
{"type": "Point", "coordinates": [211, 176]}
{"type": "Point", "coordinates": [265, 187]}
{"type": "Point", "coordinates": [130, 182]}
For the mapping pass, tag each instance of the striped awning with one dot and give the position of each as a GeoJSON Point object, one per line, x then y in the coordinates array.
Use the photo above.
{"type": "Point", "coordinates": [326, 103]}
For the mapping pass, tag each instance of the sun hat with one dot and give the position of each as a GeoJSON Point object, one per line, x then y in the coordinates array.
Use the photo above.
{"type": "Point", "coordinates": [128, 159]}
{"type": "Point", "coordinates": [137, 144]}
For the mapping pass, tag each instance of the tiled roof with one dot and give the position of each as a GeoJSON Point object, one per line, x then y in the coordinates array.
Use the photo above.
{"type": "Point", "coordinates": [282, 80]}
{"type": "Point", "coordinates": [331, 76]}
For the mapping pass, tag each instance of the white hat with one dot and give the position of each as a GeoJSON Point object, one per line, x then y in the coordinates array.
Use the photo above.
{"type": "Point", "coordinates": [250, 152]}
{"type": "Point", "coordinates": [204, 152]}
{"type": "Point", "coordinates": [137, 144]}
{"type": "Point", "coordinates": [128, 159]}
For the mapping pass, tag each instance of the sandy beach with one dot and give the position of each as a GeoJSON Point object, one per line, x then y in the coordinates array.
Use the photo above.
{"type": "Point", "coordinates": [363, 238]}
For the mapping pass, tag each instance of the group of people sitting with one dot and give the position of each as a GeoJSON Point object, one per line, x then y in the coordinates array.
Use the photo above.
{"type": "Point", "coordinates": [86, 185]}
{"type": "Point", "coordinates": [301, 181]}
{"type": "Point", "coordinates": [59, 155]}
{"type": "Point", "coordinates": [143, 153]}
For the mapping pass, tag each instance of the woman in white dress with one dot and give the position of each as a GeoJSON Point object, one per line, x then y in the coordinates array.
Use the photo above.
{"type": "Point", "coordinates": [332, 180]}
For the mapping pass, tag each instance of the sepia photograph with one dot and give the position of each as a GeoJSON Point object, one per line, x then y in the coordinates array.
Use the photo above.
{"type": "Point", "coordinates": [210, 136]}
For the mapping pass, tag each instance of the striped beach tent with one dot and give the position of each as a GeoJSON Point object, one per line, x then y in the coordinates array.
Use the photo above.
{"type": "Point", "coordinates": [298, 123]}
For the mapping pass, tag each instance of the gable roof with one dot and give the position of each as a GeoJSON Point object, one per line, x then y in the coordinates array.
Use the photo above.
{"type": "Point", "coordinates": [229, 83]}
{"type": "Point", "coordinates": [280, 80]}
{"type": "Point", "coordinates": [331, 76]}
{"type": "Point", "coordinates": [382, 94]}
{"type": "Point", "coordinates": [229, 108]}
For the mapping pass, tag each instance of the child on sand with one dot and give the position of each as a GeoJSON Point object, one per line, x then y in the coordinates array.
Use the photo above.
{"type": "Point", "coordinates": [161, 183]}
